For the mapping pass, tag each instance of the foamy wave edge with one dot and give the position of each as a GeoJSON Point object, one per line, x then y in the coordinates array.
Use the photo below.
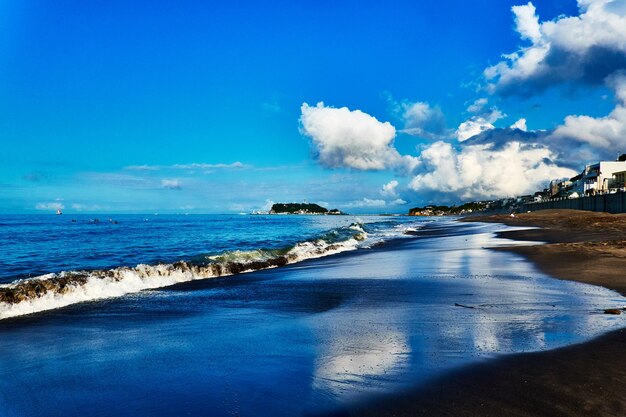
{"type": "Point", "coordinates": [53, 291]}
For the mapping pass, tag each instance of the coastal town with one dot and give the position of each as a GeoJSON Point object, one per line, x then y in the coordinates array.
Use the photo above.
{"type": "Point", "coordinates": [603, 178]}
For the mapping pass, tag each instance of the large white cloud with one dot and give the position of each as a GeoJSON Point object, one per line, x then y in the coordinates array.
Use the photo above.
{"type": "Point", "coordinates": [349, 138]}
{"type": "Point", "coordinates": [586, 48]}
{"type": "Point", "coordinates": [484, 171]}
{"type": "Point", "coordinates": [483, 166]}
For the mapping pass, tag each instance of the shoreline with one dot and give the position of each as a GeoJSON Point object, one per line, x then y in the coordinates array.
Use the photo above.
{"type": "Point", "coordinates": [577, 380]}
{"type": "Point", "coordinates": [581, 246]}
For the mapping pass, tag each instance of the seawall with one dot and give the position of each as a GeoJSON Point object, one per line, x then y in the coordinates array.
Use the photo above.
{"type": "Point", "coordinates": [609, 203]}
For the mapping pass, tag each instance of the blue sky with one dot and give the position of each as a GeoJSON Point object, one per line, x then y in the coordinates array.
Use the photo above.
{"type": "Point", "coordinates": [197, 106]}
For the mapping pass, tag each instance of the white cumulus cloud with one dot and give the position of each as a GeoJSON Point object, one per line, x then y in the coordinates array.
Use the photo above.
{"type": "Point", "coordinates": [482, 171]}
{"type": "Point", "coordinates": [586, 48]}
{"type": "Point", "coordinates": [349, 138]}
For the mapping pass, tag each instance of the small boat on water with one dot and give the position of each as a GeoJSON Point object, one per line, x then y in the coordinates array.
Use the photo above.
{"type": "Point", "coordinates": [59, 212]}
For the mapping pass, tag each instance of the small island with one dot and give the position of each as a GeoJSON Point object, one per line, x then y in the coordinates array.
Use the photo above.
{"type": "Point", "coordinates": [302, 208]}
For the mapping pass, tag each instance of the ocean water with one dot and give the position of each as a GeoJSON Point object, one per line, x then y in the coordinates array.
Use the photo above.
{"type": "Point", "coordinates": [331, 311]}
{"type": "Point", "coordinates": [40, 244]}
{"type": "Point", "coordinates": [54, 261]}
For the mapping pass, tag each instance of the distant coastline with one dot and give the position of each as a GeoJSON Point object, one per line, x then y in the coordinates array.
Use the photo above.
{"type": "Point", "coordinates": [433, 210]}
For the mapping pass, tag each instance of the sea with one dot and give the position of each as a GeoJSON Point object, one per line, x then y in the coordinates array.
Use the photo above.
{"type": "Point", "coordinates": [263, 315]}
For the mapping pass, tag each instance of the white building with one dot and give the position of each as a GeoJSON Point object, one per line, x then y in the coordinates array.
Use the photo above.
{"type": "Point", "coordinates": [599, 178]}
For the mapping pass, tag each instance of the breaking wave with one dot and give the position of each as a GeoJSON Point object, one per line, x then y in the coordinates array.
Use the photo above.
{"type": "Point", "coordinates": [51, 291]}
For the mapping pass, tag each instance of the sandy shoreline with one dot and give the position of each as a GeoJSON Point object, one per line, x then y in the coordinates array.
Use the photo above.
{"type": "Point", "coordinates": [579, 380]}
{"type": "Point", "coordinates": [581, 246]}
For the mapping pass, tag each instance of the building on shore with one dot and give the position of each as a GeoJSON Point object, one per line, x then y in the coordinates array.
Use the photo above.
{"type": "Point", "coordinates": [599, 178]}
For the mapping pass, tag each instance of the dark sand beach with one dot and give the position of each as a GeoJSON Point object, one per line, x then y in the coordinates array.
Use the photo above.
{"type": "Point", "coordinates": [579, 380]}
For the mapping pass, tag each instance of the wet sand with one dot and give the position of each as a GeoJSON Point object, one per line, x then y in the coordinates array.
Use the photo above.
{"type": "Point", "coordinates": [582, 246]}
{"type": "Point", "coordinates": [579, 380]}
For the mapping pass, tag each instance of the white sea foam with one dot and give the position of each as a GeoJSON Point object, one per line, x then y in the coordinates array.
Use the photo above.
{"type": "Point", "coordinates": [52, 291]}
